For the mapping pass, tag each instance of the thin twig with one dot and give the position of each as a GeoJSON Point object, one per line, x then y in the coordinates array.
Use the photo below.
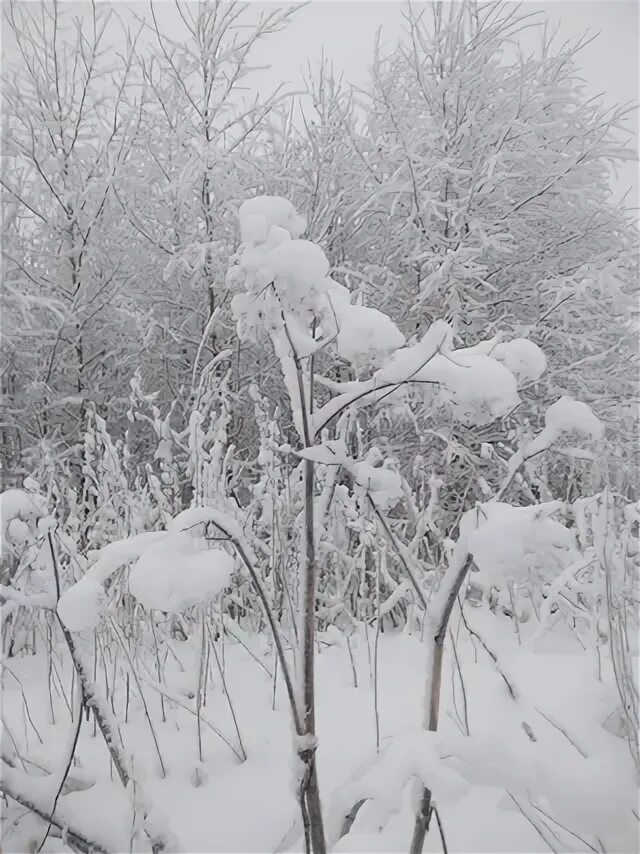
{"type": "Point", "coordinates": [445, 850]}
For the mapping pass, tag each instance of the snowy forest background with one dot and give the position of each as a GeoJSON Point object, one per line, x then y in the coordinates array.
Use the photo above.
{"type": "Point", "coordinates": [320, 455]}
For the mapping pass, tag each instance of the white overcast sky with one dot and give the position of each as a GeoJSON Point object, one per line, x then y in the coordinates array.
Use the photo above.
{"type": "Point", "coordinates": [345, 30]}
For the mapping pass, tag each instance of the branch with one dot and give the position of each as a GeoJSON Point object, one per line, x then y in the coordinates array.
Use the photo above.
{"type": "Point", "coordinates": [10, 785]}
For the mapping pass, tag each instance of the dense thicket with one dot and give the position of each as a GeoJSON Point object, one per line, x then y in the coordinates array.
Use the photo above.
{"type": "Point", "coordinates": [466, 180]}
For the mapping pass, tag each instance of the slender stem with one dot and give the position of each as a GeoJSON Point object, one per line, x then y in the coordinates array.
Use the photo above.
{"type": "Point", "coordinates": [66, 771]}
{"type": "Point", "coordinates": [88, 695]}
{"type": "Point", "coordinates": [452, 582]}
{"type": "Point", "coordinates": [286, 673]}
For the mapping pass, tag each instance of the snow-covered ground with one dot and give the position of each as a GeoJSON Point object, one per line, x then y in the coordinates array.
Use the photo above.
{"type": "Point", "coordinates": [538, 772]}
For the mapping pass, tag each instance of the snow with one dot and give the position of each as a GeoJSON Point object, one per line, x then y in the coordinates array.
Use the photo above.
{"type": "Point", "coordinates": [115, 555]}
{"type": "Point", "coordinates": [180, 572]}
{"type": "Point", "coordinates": [299, 338]}
{"type": "Point", "coordinates": [522, 357]}
{"type": "Point", "coordinates": [82, 606]}
{"type": "Point", "coordinates": [408, 361]}
{"type": "Point", "coordinates": [16, 504]}
{"type": "Point", "coordinates": [478, 388]}
{"type": "Point", "coordinates": [252, 257]}
{"type": "Point", "coordinates": [259, 214]}
{"type": "Point", "coordinates": [470, 774]}
{"type": "Point", "coordinates": [30, 599]}
{"type": "Point", "coordinates": [248, 313]}
{"type": "Point", "coordinates": [383, 485]}
{"type": "Point", "coordinates": [173, 570]}
{"type": "Point", "coordinates": [330, 453]}
{"type": "Point", "coordinates": [299, 270]}
{"type": "Point", "coordinates": [410, 755]}
{"type": "Point", "coordinates": [204, 722]}
{"type": "Point", "coordinates": [18, 532]}
{"type": "Point", "coordinates": [196, 516]}
{"type": "Point", "coordinates": [567, 414]}
{"type": "Point", "coordinates": [509, 543]}
{"type": "Point", "coordinates": [363, 333]}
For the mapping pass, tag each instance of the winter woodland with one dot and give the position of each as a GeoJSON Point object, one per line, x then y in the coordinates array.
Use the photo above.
{"type": "Point", "coordinates": [320, 499]}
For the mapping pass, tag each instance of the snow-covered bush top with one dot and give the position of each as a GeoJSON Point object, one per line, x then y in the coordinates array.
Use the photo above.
{"type": "Point", "coordinates": [20, 514]}
{"type": "Point", "coordinates": [287, 292]}
{"type": "Point", "coordinates": [509, 543]}
{"type": "Point", "coordinates": [179, 572]}
{"type": "Point", "coordinates": [566, 415]}
{"type": "Point", "coordinates": [171, 570]}
{"type": "Point", "coordinates": [258, 215]}
{"type": "Point", "coordinates": [522, 357]}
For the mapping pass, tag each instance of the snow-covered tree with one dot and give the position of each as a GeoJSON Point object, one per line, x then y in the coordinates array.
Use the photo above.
{"type": "Point", "coordinates": [471, 183]}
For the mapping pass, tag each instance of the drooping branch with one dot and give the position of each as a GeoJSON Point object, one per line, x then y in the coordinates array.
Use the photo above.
{"type": "Point", "coordinates": [12, 785]}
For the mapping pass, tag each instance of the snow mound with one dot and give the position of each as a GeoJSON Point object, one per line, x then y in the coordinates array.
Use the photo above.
{"type": "Point", "coordinates": [330, 453]}
{"type": "Point", "coordinates": [258, 215]}
{"type": "Point", "coordinates": [178, 573]}
{"type": "Point", "coordinates": [405, 363]}
{"type": "Point", "coordinates": [22, 517]}
{"type": "Point", "coordinates": [522, 357]}
{"type": "Point", "coordinates": [568, 414]}
{"type": "Point", "coordinates": [478, 388]}
{"type": "Point", "coordinates": [82, 606]}
{"type": "Point", "coordinates": [383, 485]}
{"type": "Point", "coordinates": [363, 333]}
{"type": "Point", "coordinates": [121, 552]}
{"type": "Point", "coordinates": [509, 543]}
{"type": "Point", "coordinates": [18, 504]}
{"type": "Point", "coordinates": [298, 270]}
{"type": "Point", "coordinates": [253, 257]}
{"type": "Point", "coordinates": [18, 532]}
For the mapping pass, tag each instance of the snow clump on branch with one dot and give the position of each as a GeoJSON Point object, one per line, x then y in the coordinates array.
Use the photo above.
{"type": "Point", "coordinates": [287, 292]}
{"type": "Point", "coordinates": [509, 544]}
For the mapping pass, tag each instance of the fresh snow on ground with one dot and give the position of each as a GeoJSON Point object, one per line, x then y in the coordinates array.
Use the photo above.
{"type": "Point", "coordinates": [516, 758]}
